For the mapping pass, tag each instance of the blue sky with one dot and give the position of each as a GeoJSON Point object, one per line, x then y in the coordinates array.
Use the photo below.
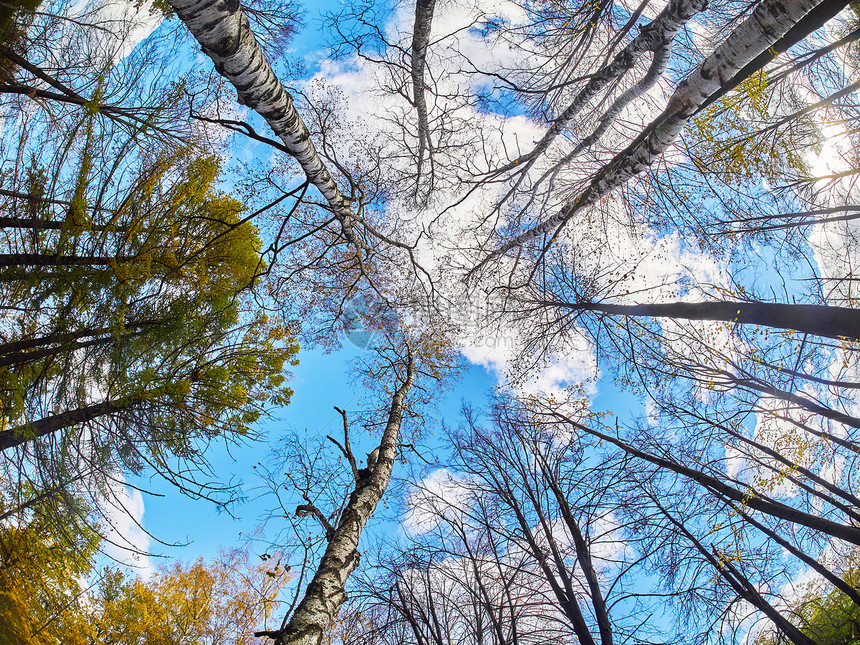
{"type": "Point", "coordinates": [320, 382]}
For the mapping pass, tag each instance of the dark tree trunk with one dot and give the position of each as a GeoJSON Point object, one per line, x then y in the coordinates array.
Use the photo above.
{"type": "Point", "coordinates": [45, 259]}
{"type": "Point", "coordinates": [819, 320]}
{"type": "Point", "coordinates": [749, 498]}
{"type": "Point", "coordinates": [47, 425]}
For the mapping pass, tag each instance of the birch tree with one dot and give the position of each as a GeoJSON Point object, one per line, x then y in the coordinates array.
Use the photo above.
{"type": "Point", "coordinates": [769, 22]}
{"type": "Point", "coordinates": [226, 37]}
{"type": "Point", "coordinates": [316, 607]}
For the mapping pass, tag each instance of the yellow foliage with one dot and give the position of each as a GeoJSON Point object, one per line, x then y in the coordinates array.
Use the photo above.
{"type": "Point", "coordinates": [219, 603]}
{"type": "Point", "coordinates": [42, 565]}
{"type": "Point", "coordinates": [724, 138]}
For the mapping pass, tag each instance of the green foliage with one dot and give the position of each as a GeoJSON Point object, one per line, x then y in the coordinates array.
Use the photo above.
{"type": "Point", "coordinates": [159, 305]}
{"type": "Point", "coordinates": [827, 617]}
{"type": "Point", "coordinates": [158, 6]}
{"type": "Point", "coordinates": [135, 320]}
{"type": "Point", "coordinates": [14, 16]}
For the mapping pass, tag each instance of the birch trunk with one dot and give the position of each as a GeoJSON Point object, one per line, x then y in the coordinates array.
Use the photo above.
{"type": "Point", "coordinates": [770, 21]}
{"type": "Point", "coordinates": [325, 594]}
{"type": "Point", "coordinates": [656, 36]}
{"type": "Point", "coordinates": [420, 40]}
{"type": "Point", "coordinates": [825, 11]}
{"type": "Point", "coordinates": [223, 31]}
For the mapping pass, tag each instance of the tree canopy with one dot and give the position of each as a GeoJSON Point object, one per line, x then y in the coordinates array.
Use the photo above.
{"type": "Point", "coordinates": [640, 219]}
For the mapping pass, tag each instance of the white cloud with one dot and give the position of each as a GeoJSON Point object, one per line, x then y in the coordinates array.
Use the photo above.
{"type": "Point", "coordinates": [608, 545]}
{"type": "Point", "coordinates": [460, 218]}
{"type": "Point", "coordinates": [436, 497]}
{"type": "Point", "coordinates": [117, 26]}
{"type": "Point", "coordinates": [125, 539]}
{"type": "Point", "coordinates": [735, 463]}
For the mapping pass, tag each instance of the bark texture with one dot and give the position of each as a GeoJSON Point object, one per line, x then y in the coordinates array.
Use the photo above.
{"type": "Point", "coordinates": [819, 320]}
{"type": "Point", "coordinates": [223, 31]}
{"type": "Point", "coordinates": [325, 593]}
{"type": "Point", "coordinates": [769, 22]}
{"type": "Point", "coordinates": [420, 41]}
{"type": "Point", "coordinates": [48, 425]}
{"type": "Point", "coordinates": [810, 22]}
{"type": "Point", "coordinates": [657, 37]}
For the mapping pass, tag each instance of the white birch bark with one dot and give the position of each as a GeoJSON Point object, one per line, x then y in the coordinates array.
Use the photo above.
{"type": "Point", "coordinates": [325, 593]}
{"type": "Point", "coordinates": [420, 41]}
{"type": "Point", "coordinates": [769, 21]}
{"type": "Point", "coordinates": [223, 31]}
{"type": "Point", "coordinates": [656, 36]}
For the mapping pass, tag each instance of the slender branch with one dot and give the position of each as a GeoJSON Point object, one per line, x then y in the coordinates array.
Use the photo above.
{"type": "Point", "coordinates": [346, 448]}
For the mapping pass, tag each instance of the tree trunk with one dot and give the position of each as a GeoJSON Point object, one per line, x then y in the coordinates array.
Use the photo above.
{"type": "Point", "coordinates": [69, 337]}
{"type": "Point", "coordinates": [420, 40]}
{"type": "Point", "coordinates": [23, 357]}
{"type": "Point", "coordinates": [808, 560]}
{"type": "Point", "coordinates": [223, 31]}
{"type": "Point", "coordinates": [809, 23]}
{"type": "Point", "coordinates": [47, 425]}
{"type": "Point", "coordinates": [770, 21]}
{"type": "Point", "coordinates": [325, 593]}
{"type": "Point", "coordinates": [583, 557]}
{"type": "Point", "coordinates": [749, 498]}
{"type": "Point", "coordinates": [819, 320]}
{"type": "Point", "coordinates": [740, 583]}
{"type": "Point", "coordinates": [45, 259]}
{"type": "Point", "coordinates": [60, 338]}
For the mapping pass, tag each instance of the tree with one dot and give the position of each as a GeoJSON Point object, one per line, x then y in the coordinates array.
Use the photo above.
{"type": "Point", "coordinates": [827, 615]}
{"type": "Point", "coordinates": [762, 30]}
{"type": "Point", "coordinates": [137, 339]}
{"type": "Point", "coordinates": [50, 593]}
{"type": "Point", "coordinates": [512, 540]}
{"type": "Point", "coordinates": [43, 560]}
{"type": "Point", "coordinates": [158, 324]}
{"type": "Point", "coordinates": [225, 34]}
{"type": "Point", "coordinates": [354, 495]}
{"type": "Point", "coordinates": [216, 603]}
{"type": "Point", "coordinates": [534, 530]}
{"type": "Point", "coordinates": [129, 339]}
{"type": "Point", "coordinates": [699, 504]}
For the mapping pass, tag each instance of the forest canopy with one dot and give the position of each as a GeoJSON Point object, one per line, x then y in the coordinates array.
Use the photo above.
{"type": "Point", "coordinates": [639, 220]}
